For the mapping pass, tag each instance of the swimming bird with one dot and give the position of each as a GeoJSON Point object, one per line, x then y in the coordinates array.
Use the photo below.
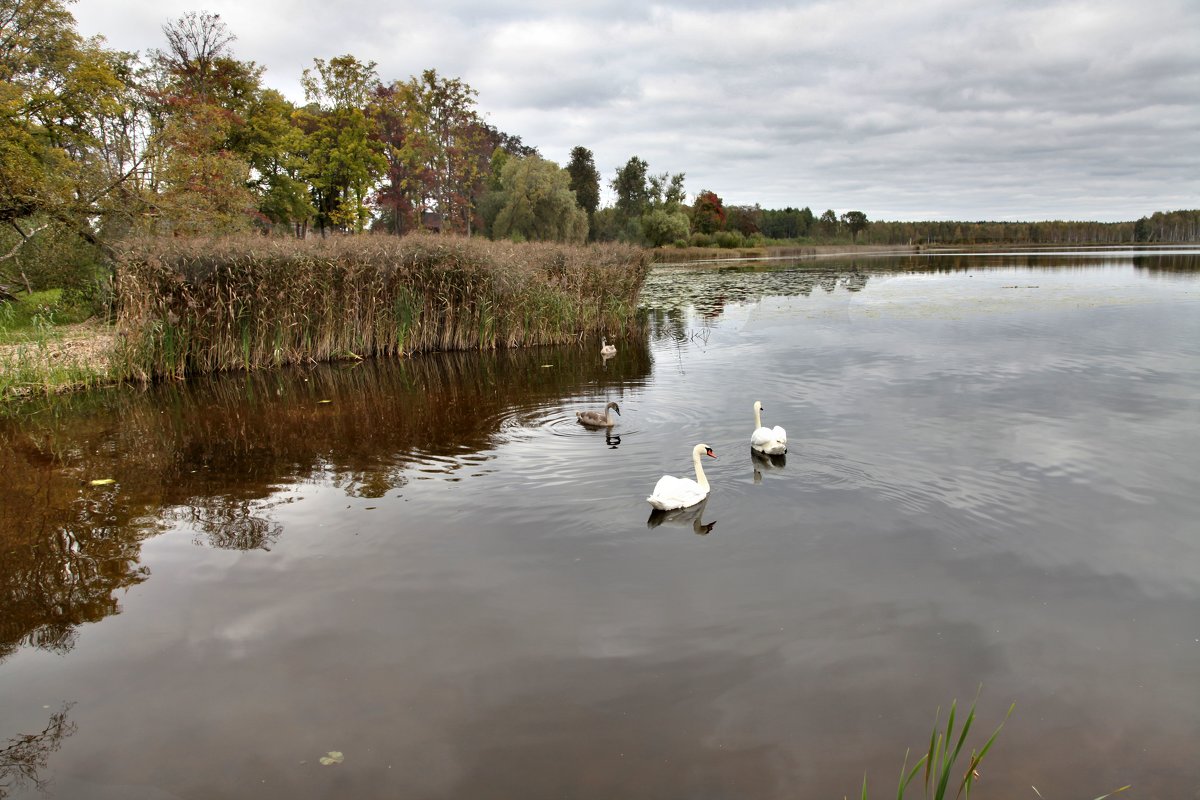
{"type": "Point", "coordinates": [772, 441]}
{"type": "Point", "coordinates": [598, 419]}
{"type": "Point", "coordinates": [671, 492]}
{"type": "Point", "coordinates": [607, 349]}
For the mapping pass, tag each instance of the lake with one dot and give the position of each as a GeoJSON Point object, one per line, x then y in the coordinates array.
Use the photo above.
{"type": "Point", "coordinates": [424, 579]}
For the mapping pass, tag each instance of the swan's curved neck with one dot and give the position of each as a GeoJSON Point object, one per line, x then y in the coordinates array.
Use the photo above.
{"type": "Point", "coordinates": [608, 417]}
{"type": "Point", "coordinates": [757, 417]}
{"type": "Point", "coordinates": [700, 479]}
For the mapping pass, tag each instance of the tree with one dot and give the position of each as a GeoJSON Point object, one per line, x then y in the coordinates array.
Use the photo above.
{"type": "Point", "coordinates": [828, 222]}
{"type": "Point", "coordinates": [345, 157]}
{"type": "Point", "coordinates": [633, 195]}
{"type": "Point", "coordinates": [708, 213]}
{"type": "Point", "coordinates": [57, 94]}
{"type": "Point", "coordinates": [666, 191]}
{"type": "Point", "coordinates": [538, 203]}
{"type": "Point", "coordinates": [661, 227]}
{"type": "Point", "coordinates": [855, 221]}
{"type": "Point", "coordinates": [585, 183]}
{"type": "Point", "coordinates": [274, 147]}
{"type": "Point", "coordinates": [743, 219]}
{"type": "Point", "coordinates": [444, 147]}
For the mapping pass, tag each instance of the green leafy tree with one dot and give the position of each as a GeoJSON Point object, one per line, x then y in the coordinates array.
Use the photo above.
{"type": "Point", "coordinates": [855, 222]}
{"type": "Point", "coordinates": [828, 223]}
{"type": "Point", "coordinates": [345, 157]}
{"type": "Point", "coordinates": [633, 193]}
{"type": "Point", "coordinates": [661, 227]}
{"type": "Point", "coordinates": [57, 90]}
{"type": "Point", "coordinates": [666, 191]}
{"type": "Point", "coordinates": [585, 182]}
{"type": "Point", "coordinates": [538, 203]}
{"type": "Point", "coordinates": [275, 149]}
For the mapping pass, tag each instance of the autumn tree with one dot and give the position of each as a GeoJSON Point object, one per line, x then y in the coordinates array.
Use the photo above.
{"type": "Point", "coordinates": [708, 213]}
{"type": "Point", "coordinates": [746, 220]}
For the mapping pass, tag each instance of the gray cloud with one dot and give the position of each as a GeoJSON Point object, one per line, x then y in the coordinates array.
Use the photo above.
{"type": "Point", "coordinates": [931, 108]}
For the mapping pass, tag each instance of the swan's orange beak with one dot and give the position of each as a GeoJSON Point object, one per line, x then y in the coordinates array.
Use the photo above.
{"type": "Point", "coordinates": [710, 453]}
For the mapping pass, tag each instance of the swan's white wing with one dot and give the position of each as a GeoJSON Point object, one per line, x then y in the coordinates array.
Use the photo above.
{"type": "Point", "coordinates": [671, 492]}
{"type": "Point", "coordinates": [769, 441]}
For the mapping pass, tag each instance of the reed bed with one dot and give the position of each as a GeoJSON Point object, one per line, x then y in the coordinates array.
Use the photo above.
{"type": "Point", "coordinates": [197, 306]}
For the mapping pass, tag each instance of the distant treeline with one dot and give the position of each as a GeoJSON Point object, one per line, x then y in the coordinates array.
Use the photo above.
{"type": "Point", "coordinates": [1160, 227]}
{"type": "Point", "coordinates": [791, 224]}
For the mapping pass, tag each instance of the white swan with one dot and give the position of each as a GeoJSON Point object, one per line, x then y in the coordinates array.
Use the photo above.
{"type": "Point", "coordinates": [671, 492]}
{"type": "Point", "coordinates": [772, 441]}
{"type": "Point", "coordinates": [607, 349]}
{"type": "Point", "coordinates": [599, 419]}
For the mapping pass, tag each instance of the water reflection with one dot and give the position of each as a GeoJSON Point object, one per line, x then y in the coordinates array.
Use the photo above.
{"type": "Point", "coordinates": [25, 756]}
{"type": "Point", "coordinates": [1005, 497]}
{"type": "Point", "coordinates": [764, 463]}
{"type": "Point", "coordinates": [692, 517]}
{"type": "Point", "coordinates": [212, 455]}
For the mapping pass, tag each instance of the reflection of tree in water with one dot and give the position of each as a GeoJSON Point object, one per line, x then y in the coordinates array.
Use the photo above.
{"type": "Point", "coordinates": [230, 525]}
{"type": "Point", "coordinates": [25, 755]}
{"type": "Point", "coordinates": [674, 297]}
{"type": "Point", "coordinates": [212, 455]}
{"type": "Point", "coordinates": [64, 551]}
{"type": "Point", "coordinates": [1167, 262]}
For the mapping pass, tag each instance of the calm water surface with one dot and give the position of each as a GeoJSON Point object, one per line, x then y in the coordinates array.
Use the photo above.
{"type": "Point", "coordinates": [428, 567]}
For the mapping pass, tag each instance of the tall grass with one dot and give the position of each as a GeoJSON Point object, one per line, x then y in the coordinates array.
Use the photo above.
{"type": "Point", "coordinates": [244, 303]}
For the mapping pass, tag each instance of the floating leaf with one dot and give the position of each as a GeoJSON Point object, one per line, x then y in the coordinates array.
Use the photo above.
{"type": "Point", "coordinates": [547, 365]}
{"type": "Point", "coordinates": [102, 481]}
{"type": "Point", "coordinates": [334, 757]}
{"type": "Point", "coordinates": [319, 402]}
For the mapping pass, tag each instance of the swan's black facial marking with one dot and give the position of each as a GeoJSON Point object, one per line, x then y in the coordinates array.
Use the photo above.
{"type": "Point", "coordinates": [708, 452]}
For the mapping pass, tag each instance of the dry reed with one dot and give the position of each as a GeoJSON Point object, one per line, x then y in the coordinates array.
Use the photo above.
{"type": "Point", "coordinates": [191, 306]}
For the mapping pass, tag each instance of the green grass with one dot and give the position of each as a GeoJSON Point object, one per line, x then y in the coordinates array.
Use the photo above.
{"type": "Point", "coordinates": [35, 316]}
{"type": "Point", "coordinates": [34, 356]}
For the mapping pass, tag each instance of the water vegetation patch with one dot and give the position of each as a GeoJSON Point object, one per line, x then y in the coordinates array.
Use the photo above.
{"type": "Point", "coordinates": [204, 305]}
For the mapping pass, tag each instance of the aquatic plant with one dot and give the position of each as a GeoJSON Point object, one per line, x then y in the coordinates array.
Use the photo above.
{"type": "Point", "coordinates": [941, 763]}
{"type": "Point", "coordinates": [191, 305]}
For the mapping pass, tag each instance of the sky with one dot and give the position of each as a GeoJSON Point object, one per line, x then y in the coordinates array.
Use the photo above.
{"type": "Point", "coordinates": [912, 110]}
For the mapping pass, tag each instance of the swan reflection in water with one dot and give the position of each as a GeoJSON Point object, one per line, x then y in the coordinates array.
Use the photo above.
{"type": "Point", "coordinates": [692, 515]}
{"type": "Point", "coordinates": [612, 439]}
{"type": "Point", "coordinates": [766, 463]}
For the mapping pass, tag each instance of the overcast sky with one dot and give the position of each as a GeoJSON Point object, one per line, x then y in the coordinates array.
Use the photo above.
{"type": "Point", "coordinates": [909, 109]}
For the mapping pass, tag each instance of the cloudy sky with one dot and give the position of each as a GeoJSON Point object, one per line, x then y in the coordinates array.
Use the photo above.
{"type": "Point", "coordinates": [921, 109]}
